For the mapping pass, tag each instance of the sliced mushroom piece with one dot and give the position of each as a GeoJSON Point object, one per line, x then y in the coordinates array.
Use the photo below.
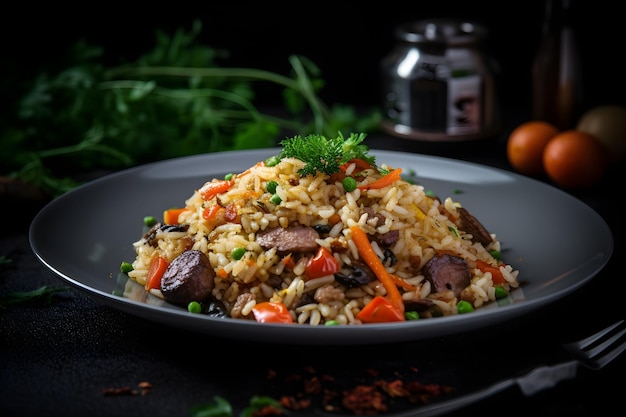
{"type": "Point", "coordinates": [357, 274]}
{"type": "Point", "coordinates": [151, 234]}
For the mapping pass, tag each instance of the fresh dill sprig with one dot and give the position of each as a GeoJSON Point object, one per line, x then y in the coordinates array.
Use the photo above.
{"type": "Point", "coordinates": [325, 155]}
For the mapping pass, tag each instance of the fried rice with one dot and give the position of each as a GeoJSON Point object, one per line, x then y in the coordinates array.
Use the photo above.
{"type": "Point", "coordinates": [407, 229]}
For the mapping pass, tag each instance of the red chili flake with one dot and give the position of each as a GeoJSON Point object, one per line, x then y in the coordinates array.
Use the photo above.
{"type": "Point", "coordinates": [364, 400]}
{"type": "Point", "coordinates": [367, 398]}
{"type": "Point", "coordinates": [292, 403]}
{"type": "Point", "coordinates": [144, 386]}
{"type": "Point", "coordinates": [394, 388]}
{"type": "Point", "coordinates": [119, 391]}
{"type": "Point", "coordinates": [267, 410]}
{"type": "Point", "coordinates": [312, 386]}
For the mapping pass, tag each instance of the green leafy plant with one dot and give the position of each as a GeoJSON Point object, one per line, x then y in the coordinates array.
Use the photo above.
{"type": "Point", "coordinates": [175, 100]}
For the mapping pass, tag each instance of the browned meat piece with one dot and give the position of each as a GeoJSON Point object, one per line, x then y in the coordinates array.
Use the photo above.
{"type": "Point", "coordinates": [188, 278]}
{"type": "Point", "coordinates": [387, 239]}
{"type": "Point", "coordinates": [470, 224]}
{"type": "Point", "coordinates": [240, 303]}
{"type": "Point", "coordinates": [448, 273]}
{"type": "Point", "coordinates": [383, 239]}
{"type": "Point", "coordinates": [328, 293]}
{"type": "Point", "coordinates": [380, 219]}
{"type": "Point", "coordinates": [418, 305]}
{"type": "Point", "coordinates": [293, 239]}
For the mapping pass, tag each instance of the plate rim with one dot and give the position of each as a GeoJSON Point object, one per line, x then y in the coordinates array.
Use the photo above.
{"type": "Point", "coordinates": [326, 335]}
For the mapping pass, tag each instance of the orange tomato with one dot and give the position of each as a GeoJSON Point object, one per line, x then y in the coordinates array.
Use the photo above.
{"type": "Point", "coordinates": [575, 159]}
{"type": "Point", "coordinates": [380, 310]}
{"type": "Point", "coordinates": [270, 312]}
{"type": "Point", "coordinates": [525, 145]}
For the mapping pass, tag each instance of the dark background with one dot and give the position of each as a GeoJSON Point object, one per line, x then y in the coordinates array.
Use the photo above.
{"type": "Point", "coordinates": [57, 359]}
{"type": "Point", "coordinates": [346, 41]}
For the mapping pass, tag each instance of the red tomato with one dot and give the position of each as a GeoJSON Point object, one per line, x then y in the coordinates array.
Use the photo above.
{"type": "Point", "coordinates": [269, 312]}
{"type": "Point", "coordinates": [380, 310]}
{"type": "Point", "coordinates": [323, 263]}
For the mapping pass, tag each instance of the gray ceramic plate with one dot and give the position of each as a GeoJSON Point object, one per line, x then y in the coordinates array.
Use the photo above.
{"type": "Point", "coordinates": [85, 234]}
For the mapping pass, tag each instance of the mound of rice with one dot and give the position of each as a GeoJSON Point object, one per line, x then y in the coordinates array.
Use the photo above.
{"type": "Point", "coordinates": [426, 226]}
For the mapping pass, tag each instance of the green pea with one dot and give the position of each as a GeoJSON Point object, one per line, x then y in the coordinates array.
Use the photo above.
{"type": "Point", "coordinates": [271, 186]}
{"type": "Point", "coordinates": [194, 307]}
{"type": "Point", "coordinates": [126, 267]}
{"type": "Point", "coordinates": [349, 184]}
{"type": "Point", "coordinates": [276, 200]}
{"type": "Point", "coordinates": [272, 161]}
{"type": "Point", "coordinates": [332, 323]}
{"type": "Point", "coordinates": [464, 307]}
{"type": "Point", "coordinates": [229, 177]}
{"type": "Point", "coordinates": [238, 253]}
{"type": "Point", "coordinates": [149, 221]}
{"type": "Point", "coordinates": [411, 315]}
{"type": "Point", "coordinates": [496, 254]}
{"type": "Point", "coordinates": [501, 292]}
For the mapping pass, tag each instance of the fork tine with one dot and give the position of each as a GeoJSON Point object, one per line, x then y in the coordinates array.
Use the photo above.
{"type": "Point", "coordinates": [583, 344]}
{"type": "Point", "coordinates": [601, 354]}
{"type": "Point", "coordinates": [605, 360]}
{"type": "Point", "coordinates": [602, 346]}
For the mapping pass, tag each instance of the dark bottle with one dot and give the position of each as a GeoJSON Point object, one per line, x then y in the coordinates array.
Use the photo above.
{"type": "Point", "coordinates": [556, 70]}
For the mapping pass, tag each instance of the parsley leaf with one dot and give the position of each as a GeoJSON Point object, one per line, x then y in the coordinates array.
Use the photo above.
{"type": "Point", "coordinates": [325, 155]}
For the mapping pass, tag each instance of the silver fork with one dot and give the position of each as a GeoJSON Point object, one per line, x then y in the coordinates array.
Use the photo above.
{"type": "Point", "coordinates": [594, 352]}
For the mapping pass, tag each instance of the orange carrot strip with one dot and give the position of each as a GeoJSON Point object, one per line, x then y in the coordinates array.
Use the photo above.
{"type": "Point", "coordinates": [210, 212]}
{"type": "Point", "coordinates": [402, 283]}
{"type": "Point", "coordinates": [156, 269]}
{"type": "Point", "coordinates": [170, 216]}
{"type": "Point", "coordinates": [334, 219]}
{"type": "Point", "coordinates": [496, 275]}
{"type": "Point", "coordinates": [382, 182]}
{"type": "Point", "coordinates": [370, 257]}
{"type": "Point", "coordinates": [211, 189]}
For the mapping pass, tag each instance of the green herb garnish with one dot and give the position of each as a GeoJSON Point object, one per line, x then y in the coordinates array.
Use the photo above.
{"type": "Point", "coordinates": [174, 100]}
{"type": "Point", "coordinates": [222, 407]}
{"type": "Point", "coordinates": [42, 294]}
{"type": "Point", "coordinates": [325, 155]}
{"type": "Point", "coordinates": [5, 260]}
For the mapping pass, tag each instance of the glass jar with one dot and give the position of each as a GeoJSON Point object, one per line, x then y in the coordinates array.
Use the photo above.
{"type": "Point", "coordinates": [439, 83]}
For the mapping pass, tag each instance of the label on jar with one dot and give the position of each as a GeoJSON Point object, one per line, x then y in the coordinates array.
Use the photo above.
{"type": "Point", "coordinates": [464, 108]}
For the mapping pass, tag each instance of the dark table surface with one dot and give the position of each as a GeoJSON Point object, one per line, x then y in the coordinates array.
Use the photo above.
{"type": "Point", "coordinates": [77, 357]}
